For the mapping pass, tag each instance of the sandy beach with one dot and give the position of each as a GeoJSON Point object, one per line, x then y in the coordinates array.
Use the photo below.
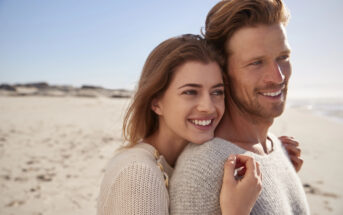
{"type": "Point", "coordinates": [53, 151]}
{"type": "Point", "coordinates": [321, 143]}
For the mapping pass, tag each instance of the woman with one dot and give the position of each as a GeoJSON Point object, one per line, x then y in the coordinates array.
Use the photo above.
{"type": "Point", "coordinates": [179, 99]}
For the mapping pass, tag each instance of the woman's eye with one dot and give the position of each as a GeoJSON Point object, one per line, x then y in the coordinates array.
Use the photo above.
{"type": "Point", "coordinates": [189, 92]}
{"type": "Point", "coordinates": [218, 92]}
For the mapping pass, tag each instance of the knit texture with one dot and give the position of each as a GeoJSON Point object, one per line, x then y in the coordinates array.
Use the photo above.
{"type": "Point", "coordinates": [197, 179]}
{"type": "Point", "coordinates": [133, 184]}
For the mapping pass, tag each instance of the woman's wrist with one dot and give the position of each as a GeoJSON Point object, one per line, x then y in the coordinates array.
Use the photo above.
{"type": "Point", "coordinates": [236, 211]}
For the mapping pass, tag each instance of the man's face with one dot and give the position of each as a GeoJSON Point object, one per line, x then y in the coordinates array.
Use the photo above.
{"type": "Point", "coordinates": [259, 68]}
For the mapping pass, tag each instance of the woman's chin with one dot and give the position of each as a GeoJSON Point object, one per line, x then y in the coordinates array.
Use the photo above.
{"type": "Point", "coordinates": [202, 140]}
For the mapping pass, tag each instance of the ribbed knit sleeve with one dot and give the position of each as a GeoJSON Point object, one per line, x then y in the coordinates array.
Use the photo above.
{"type": "Point", "coordinates": [136, 190]}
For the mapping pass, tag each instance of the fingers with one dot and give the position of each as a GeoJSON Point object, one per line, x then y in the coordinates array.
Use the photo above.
{"type": "Point", "coordinates": [247, 166]}
{"type": "Point", "coordinates": [259, 174]}
{"type": "Point", "coordinates": [258, 171]}
{"type": "Point", "coordinates": [288, 140]}
{"type": "Point", "coordinates": [239, 196]}
{"type": "Point", "coordinates": [297, 162]}
{"type": "Point", "coordinates": [249, 163]}
{"type": "Point", "coordinates": [241, 172]}
{"type": "Point", "coordinates": [229, 170]}
{"type": "Point", "coordinates": [286, 137]}
{"type": "Point", "coordinates": [253, 176]}
{"type": "Point", "coordinates": [293, 150]}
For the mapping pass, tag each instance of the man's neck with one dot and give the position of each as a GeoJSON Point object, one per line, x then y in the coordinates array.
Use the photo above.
{"type": "Point", "coordinates": [246, 131]}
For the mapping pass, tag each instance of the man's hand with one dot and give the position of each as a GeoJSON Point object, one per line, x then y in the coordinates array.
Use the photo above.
{"type": "Point", "coordinates": [294, 152]}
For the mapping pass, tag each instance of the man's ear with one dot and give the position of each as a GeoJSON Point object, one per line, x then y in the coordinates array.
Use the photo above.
{"type": "Point", "coordinates": [156, 106]}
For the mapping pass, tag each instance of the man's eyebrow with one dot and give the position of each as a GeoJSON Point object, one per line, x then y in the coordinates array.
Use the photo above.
{"type": "Point", "coordinates": [286, 51]}
{"type": "Point", "coordinates": [256, 58]}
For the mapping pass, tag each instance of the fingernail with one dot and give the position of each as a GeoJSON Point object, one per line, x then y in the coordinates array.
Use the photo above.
{"type": "Point", "coordinates": [232, 157]}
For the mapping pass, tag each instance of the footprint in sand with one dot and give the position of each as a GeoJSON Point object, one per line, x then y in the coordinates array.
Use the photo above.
{"type": "Point", "coordinates": [21, 179]}
{"type": "Point", "coordinates": [313, 190]}
{"type": "Point", "coordinates": [35, 189]}
{"type": "Point", "coordinates": [6, 177]}
{"type": "Point", "coordinates": [15, 203]}
{"type": "Point", "coordinates": [46, 177]}
{"type": "Point", "coordinates": [107, 139]}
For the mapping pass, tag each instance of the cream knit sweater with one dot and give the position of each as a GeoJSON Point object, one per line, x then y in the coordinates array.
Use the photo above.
{"type": "Point", "coordinates": [134, 183]}
{"type": "Point", "coordinates": [197, 179]}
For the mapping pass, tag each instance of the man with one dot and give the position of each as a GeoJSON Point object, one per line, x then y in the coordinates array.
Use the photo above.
{"type": "Point", "coordinates": [251, 35]}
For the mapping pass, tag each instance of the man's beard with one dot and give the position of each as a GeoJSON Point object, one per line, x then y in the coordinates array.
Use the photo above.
{"type": "Point", "coordinates": [253, 107]}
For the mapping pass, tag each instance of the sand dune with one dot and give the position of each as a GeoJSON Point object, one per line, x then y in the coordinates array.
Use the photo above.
{"type": "Point", "coordinates": [53, 151]}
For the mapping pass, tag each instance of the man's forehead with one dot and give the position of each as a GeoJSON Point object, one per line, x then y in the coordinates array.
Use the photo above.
{"type": "Point", "coordinates": [258, 40]}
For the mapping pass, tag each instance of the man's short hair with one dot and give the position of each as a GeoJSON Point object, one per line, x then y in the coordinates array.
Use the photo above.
{"type": "Point", "coordinates": [228, 16]}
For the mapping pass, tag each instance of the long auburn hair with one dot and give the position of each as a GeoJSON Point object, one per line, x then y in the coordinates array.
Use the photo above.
{"type": "Point", "coordinates": [140, 121]}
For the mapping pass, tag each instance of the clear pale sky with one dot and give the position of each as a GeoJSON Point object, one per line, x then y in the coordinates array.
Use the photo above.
{"type": "Point", "coordinates": [106, 42]}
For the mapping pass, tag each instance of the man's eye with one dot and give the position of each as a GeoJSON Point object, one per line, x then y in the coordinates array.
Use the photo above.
{"type": "Point", "coordinates": [189, 92]}
{"type": "Point", "coordinates": [284, 58]}
{"type": "Point", "coordinates": [255, 63]}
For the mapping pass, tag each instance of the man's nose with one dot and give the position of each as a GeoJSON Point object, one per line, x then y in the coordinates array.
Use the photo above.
{"type": "Point", "coordinates": [275, 74]}
{"type": "Point", "coordinates": [206, 104]}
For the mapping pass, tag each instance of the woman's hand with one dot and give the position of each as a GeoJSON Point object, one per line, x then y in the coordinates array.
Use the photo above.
{"type": "Point", "coordinates": [238, 196]}
{"type": "Point", "coordinates": [294, 152]}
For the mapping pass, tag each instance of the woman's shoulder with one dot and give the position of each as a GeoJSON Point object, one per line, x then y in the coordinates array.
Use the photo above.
{"type": "Point", "coordinates": [138, 156]}
{"type": "Point", "coordinates": [132, 171]}
{"type": "Point", "coordinates": [131, 167]}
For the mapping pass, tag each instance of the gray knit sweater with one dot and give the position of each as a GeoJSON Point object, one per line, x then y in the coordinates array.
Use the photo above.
{"type": "Point", "coordinates": [197, 179]}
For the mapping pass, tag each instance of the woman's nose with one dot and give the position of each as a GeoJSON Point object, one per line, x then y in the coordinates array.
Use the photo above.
{"type": "Point", "coordinates": [206, 104]}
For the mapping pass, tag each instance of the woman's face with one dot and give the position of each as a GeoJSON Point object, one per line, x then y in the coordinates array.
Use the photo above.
{"type": "Point", "coordinates": [193, 104]}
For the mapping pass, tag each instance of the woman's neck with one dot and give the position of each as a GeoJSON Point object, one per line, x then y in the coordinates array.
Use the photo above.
{"type": "Point", "coordinates": [167, 145]}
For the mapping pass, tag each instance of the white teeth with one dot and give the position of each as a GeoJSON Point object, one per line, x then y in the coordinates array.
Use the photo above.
{"type": "Point", "coordinates": [202, 122]}
{"type": "Point", "coordinates": [272, 94]}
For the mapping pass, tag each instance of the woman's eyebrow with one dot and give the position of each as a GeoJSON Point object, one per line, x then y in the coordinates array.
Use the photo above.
{"type": "Point", "coordinates": [190, 85]}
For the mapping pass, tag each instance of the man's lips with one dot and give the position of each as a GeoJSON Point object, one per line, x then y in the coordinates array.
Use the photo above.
{"type": "Point", "coordinates": [273, 92]}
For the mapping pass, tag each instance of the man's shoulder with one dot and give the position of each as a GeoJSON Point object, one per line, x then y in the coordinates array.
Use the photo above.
{"type": "Point", "coordinates": [197, 177]}
{"type": "Point", "coordinates": [217, 148]}
{"type": "Point", "coordinates": [210, 155]}
{"type": "Point", "coordinates": [215, 144]}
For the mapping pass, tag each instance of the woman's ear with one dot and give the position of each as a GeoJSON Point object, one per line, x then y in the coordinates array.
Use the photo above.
{"type": "Point", "coordinates": [156, 106]}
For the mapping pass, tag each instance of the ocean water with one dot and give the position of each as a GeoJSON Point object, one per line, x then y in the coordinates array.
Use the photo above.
{"type": "Point", "coordinates": [331, 108]}
{"type": "Point", "coordinates": [321, 99]}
